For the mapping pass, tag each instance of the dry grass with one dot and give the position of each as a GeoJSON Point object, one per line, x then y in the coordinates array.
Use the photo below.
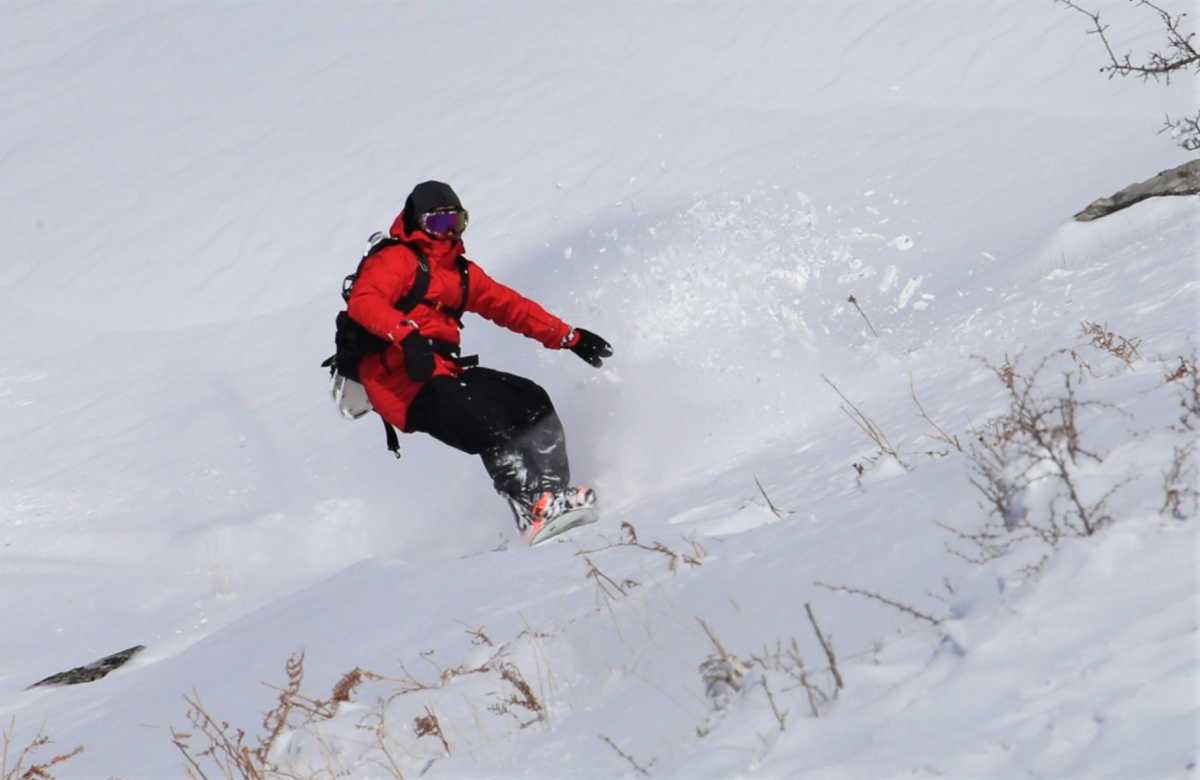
{"type": "Point", "coordinates": [427, 725]}
{"type": "Point", "coordinates": [522, 697]}
{"type": "Point", "coordinates": [24, 764]}
{"type": "Point", "coordinates": [224, 748]}
{"type": "Point", "coordinates": [869, 427]}
{"type": "Point", "coordinates": [213, 748]}
{"type": "Point", "coordinates": [724, 674]}
{"type": "Point", "coordinates": [1181, 497]}
{"type": "Point", "coordinates": [939, 434]}
{"type": "Point", "coordinates": [1100, 337]}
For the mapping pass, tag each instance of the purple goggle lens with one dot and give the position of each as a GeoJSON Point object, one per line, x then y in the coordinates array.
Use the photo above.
{"type": "Point", "coordinates": [444, 223]}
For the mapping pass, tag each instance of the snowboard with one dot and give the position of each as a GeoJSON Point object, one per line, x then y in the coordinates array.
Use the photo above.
{"type": "Point", "coordinates": [349, 396]}
{"type": "Point", "coordinates": [567, 521]}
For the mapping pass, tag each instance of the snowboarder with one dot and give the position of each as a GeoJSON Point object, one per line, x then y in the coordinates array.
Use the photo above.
{"type": "Point", "coordinates": [419, 382]}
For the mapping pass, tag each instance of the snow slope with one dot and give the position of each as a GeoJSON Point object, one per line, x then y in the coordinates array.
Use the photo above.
{"type": "Point", "coordinates": [703, 183]}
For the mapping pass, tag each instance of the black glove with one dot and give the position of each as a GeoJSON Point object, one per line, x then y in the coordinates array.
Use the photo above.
{"type": "Point", "coordinates": [418, 357]}
{"type": "Point", "coordinates": [589, 346]}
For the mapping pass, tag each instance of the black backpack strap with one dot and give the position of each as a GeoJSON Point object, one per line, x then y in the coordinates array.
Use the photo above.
{"type": "Point", "coordinates": [465, 277]}
{"type": "Point", "coordinates": [420, 283]}
{"type": "Point", "coordinates": [393, 441]}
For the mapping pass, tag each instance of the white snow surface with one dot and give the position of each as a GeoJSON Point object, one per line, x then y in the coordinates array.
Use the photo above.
{"type": "Point", "coordinates": [703, 183]}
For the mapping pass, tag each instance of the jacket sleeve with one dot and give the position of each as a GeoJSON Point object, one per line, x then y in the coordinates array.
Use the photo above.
{"type": "Point", "coordinates": [384, 278]}
{"type": "Point", "coordinates": [509, 309]}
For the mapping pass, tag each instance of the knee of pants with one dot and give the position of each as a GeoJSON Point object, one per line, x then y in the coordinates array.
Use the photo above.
{"type": "Point", "coordinates": [540, 406]}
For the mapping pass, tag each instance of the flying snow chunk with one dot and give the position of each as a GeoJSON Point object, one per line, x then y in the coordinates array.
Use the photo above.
{"type": "Point", "coordinates": [909, 290]}
{"type": "Point", "coordinates": [903, 243]}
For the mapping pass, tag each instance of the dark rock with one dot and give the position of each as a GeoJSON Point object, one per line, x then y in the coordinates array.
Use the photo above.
{"type": "Point", "coordinates": [1184, 180]}
{"type": "Point", "coordinates": [93, 671]}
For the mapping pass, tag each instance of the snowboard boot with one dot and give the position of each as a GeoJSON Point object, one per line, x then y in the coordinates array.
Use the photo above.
{"type": "Point", "coordinates": [553, 503]}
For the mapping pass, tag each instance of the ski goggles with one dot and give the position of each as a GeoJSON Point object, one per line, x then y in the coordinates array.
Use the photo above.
{"type": "Point", "coordinates": [444, 223]}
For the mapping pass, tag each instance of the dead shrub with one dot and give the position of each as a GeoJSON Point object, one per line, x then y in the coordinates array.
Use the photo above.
{"type": "Point", "coordinates": [1187, 375]}
{"type": "Point", "coordinates": [1037, 439]}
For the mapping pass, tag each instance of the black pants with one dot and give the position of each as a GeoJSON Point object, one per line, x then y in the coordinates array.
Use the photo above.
{"type": "Point", "coordinates": [507, 420]}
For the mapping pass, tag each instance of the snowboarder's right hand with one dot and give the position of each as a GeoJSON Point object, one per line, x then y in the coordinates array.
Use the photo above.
{"type": "Point", "coordinates": [418, 357]}
{"type": "Point", "coordinates": [588, 346]}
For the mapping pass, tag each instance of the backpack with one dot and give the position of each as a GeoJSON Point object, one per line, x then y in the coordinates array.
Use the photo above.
{"type": "Point", "coordinates": [353, 342]}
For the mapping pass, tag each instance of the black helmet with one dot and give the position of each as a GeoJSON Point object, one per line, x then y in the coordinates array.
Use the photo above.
{"type": "Point", "coordinates": [426, 197]}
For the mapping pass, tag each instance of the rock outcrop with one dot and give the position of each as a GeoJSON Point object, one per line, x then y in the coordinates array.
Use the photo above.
{"type": "Point", "coordinates": [93, 671]}
{"type": "Point", "coordinates": [1184, 180]}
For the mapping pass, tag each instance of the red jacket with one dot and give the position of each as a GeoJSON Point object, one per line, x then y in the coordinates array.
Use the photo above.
{"type": "Point", "coordinates": [389, 274]}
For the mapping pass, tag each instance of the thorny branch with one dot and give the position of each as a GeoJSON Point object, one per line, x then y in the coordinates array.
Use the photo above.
{"type": "Point", "coordinates": [1180, 53]}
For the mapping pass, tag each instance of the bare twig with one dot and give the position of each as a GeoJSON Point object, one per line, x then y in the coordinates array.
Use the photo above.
{"type": "Point", "coordinates": [780, 717]}
{"type": "Point", "coordinates": [1186, 130]}
{"type": "Point", "coordinates": [640, 769]}
{"type": "Point", "coordinates": [478, 637]}
{"type": "Point", "coordinates": [779, 513]}
{"type": "Point", "coordinates": [180, 740]}
{"type": "Point", "coordinates": [941, 436]}
{"type": "Point", "coordinates": [827, 646]}
{"type": "Point", "coordinates": [629, 538]}
{"type": "Point", "coordinates": [854, 301]}
{"type": "Point", "coordinates": [713, 638]}
{"type": "Point", "coordinates": [894, 604]}
{"type": "Point", "coordinates": [606, 584]}
{"type": "Point", "coordinates": [867, 425]}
